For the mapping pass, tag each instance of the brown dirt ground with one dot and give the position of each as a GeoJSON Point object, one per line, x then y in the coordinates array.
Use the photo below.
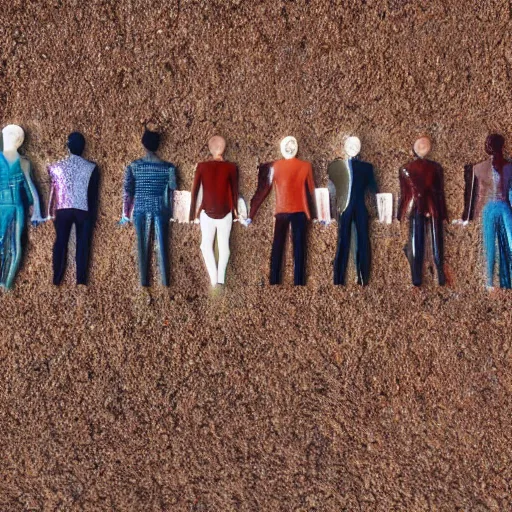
{"type": "Point", "coordinates": [263, 399]}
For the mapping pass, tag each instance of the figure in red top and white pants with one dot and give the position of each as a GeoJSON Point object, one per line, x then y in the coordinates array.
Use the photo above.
{"type": "Point", "coordinates": [219, 182]}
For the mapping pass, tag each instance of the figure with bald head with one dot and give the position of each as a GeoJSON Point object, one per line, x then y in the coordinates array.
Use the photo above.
{"type": "Point", "coordinates": [349, 181]}
{"type": "Point", "coordinates": [17, 194]}
{"type": "Point", "coordinates": [216, 180]}
{"type": "Point", "coordinates": [487, 195]}
{"type": "Point", "coordinates": [422, 202]}
{"type": "Point", "coordinates": [294, 187]}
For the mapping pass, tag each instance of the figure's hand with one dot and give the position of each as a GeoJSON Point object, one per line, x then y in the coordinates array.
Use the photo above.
{"type": "Point", "coordinates": [246, 222]}
{"type": "Point", "coordinates": [35, 220]}
{"type": "Point", "coordinates": [124, 220]}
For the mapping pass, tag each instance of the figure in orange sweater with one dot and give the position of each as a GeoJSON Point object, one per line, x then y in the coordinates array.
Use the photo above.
{"type": "Point", "coordinates": [293, 182]}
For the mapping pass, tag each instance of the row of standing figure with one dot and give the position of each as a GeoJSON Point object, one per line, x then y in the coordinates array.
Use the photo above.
{"type": "Point", "coordinates": [150, 182]}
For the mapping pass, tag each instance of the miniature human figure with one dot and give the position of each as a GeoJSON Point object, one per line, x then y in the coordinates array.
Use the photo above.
{"type": "Point", "coordinates": [73, 200]}
{"type": "Point", "coordinates": [219, 182]}
{"type": "Point", "coordinates": [17, 194]}
{"type": "Point", "coordinates": [349, 180]}
{"type": "Point", "coordinates": [148, 187]}
{"type": "Point", "coordinates": [487, 194]}
{"type": "Point", "coordinates": [422, 199]}
{"type": "Point", "coordinates": [293, 182]}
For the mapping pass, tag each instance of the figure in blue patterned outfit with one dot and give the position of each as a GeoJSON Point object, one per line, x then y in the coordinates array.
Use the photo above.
{"type": "Point", "coordinates": [148, 189]}
{"type": "Point", "coordinates": [17, 194]}
{"type": "Point", "coordinates": [487, 194]}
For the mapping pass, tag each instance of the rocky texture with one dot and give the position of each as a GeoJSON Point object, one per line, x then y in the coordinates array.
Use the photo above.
{"type": "Point", "coordinates": [313, 399]}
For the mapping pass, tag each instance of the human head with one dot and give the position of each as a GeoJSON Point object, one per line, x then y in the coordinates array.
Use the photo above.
{"type": "Point", "coordinates": [494, 143]}
{"type": "Point", "coordinates": [76, 143]}
{"type": "Point", "coordinates": [151, 140]}
{"type": "Point", "coordinates": [352, 146]}
{"type": "Point", "coordinates": [422, 146]}
{"type": "Point", "coordinates": [13, 137]}
{"type": "Point", "coordinates": [289, 147]}
{"type": "Point", "coordinates": [217, 146]}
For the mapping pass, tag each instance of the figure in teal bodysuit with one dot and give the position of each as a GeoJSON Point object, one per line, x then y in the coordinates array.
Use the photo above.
{"type": "Point", "coordinates": [15, 199]}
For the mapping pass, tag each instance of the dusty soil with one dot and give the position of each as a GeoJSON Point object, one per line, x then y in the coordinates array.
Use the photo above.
{"type": "Point", "coordinates": [261, 399]}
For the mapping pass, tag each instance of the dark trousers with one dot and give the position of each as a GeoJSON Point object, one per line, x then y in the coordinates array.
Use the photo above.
{"type": "Point", "coordinates": [359, 217]}
{"type": "Point", "coordinates": [299, 223]}
{"type": "Point", "coordinates": [416, 250]}
{"type": "Point", "coordinates": [143, 224]}
{"type": "Point", "coordinates": [64, 220]}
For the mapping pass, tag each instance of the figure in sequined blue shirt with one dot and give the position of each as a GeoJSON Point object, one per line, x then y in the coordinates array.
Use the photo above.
{"type": "Point", "coordinates": [149, 183]}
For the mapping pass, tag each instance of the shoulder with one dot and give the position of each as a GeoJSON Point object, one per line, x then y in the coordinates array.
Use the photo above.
{"type": "Point", "coordinates": [365, 166]}
{"type": "Point", "coordinates": [25, 163]}
{"type": "Point", "coordinates": [334, 165]}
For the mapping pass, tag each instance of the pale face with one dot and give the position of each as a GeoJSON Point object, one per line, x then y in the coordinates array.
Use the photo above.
{"type": "Point", "coordinates": [422, 147]}
{"type": "Point", "coordinates": [289, 147]}
{"type": "Point", "coordinates": [352, 146]}
{"type": "Point", "coordinates": [13, 136]}
{"type": "Point", "coordinates": [217, 146]}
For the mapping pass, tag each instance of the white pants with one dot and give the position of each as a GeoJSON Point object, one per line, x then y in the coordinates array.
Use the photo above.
{"type": "Point", "coordinates": [208, 228]}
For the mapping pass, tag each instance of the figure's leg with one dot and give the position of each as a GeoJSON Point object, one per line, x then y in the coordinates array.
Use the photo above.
{"type": "Point", "coordinates": [436, 227]}
{"type": "Point", "coordinates": [282, 220]}
{"type": "Point", "coordinates": [507, 246]}
{"type": "Point", "coordinates": [489, 236]}
{"type": "Point", "coordinates": [343, 249]}
{"type": "Point", "coordinates": [363, 249]}
{"type": "Point", "coordinates": [7, 229]}
{"type": "Point", "coordinates": [83, 223]}
{"type": "Point", "coordinates": [504, 257]}
{"type": "Point", "coordinates": [223, 233]}
{"type": "Point", "coordinates": [63, 224]}
{"type": "Point", "coordinates": [417, 249]}
{"type": "Point", "coordinates": [162, 238]}
{"type": "Point", "coordinates": [207, 239]}
{"type": "Point", "coordinates": [142, 223]}
{"type": "Point", "coordinates": [299, 228]}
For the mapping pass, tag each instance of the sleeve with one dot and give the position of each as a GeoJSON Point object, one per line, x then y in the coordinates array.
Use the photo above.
{"type": "Point", "coordinates": [195, 190]}
{"type": "Point", "coordinates": [128, 192]}
{"type": "Point", "coordinates": [93, 193]}
{"type": "Point", "coordinates": [405, 193]}
{"type": "Point", "coordinates": [264, 187]}
{"type": "Point", "coordinates": [470, 192]}
{"type": "Point", "coordinates": [52, 206]}
{"type": "Point", "coordinates": [443, 213]}
{"type": "Point", "coordinates": [234, 188]}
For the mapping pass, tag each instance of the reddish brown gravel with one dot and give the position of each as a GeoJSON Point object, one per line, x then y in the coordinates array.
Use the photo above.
{"type": "Point", "coordinates": [261, 399]}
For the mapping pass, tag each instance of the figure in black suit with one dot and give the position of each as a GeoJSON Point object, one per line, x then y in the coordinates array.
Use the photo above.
{"type": "Point", "coordinates": [349, 180]}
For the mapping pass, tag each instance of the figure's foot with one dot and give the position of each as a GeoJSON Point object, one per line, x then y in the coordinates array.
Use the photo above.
{"type": "Point", "coordinates": [490, 289]}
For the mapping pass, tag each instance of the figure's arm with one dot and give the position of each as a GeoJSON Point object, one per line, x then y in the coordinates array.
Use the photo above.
{"type": "Point", "coordinates": [405, 193]}
{"type": "Point", "coordinates": [443, 213]}
{"type": "Point", "coordinates": [128, 193]}
{"type": "Point", "coordinates": [52, 206]}
{"type": "Point", "coordinates": [372, 182]}
{"type": "Point", "coordinates": [265, 178]}
{"type": "Point", "coordinates": [310, 188]}
{"type": "Point", "coordinates": [36, 204]}
{"type": "Point", "coordinates": [332, 198]}
{"type": "Point", "coordinates": [172, 185]}
{"type": "Point", "coordinates": [234, 189]}
{"type": "Point", "coordinates": [195, 190]}
{"type": "Point", "coordinates": [93, 193]}
{"type": "Point", "coordinates": [470, 192]}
